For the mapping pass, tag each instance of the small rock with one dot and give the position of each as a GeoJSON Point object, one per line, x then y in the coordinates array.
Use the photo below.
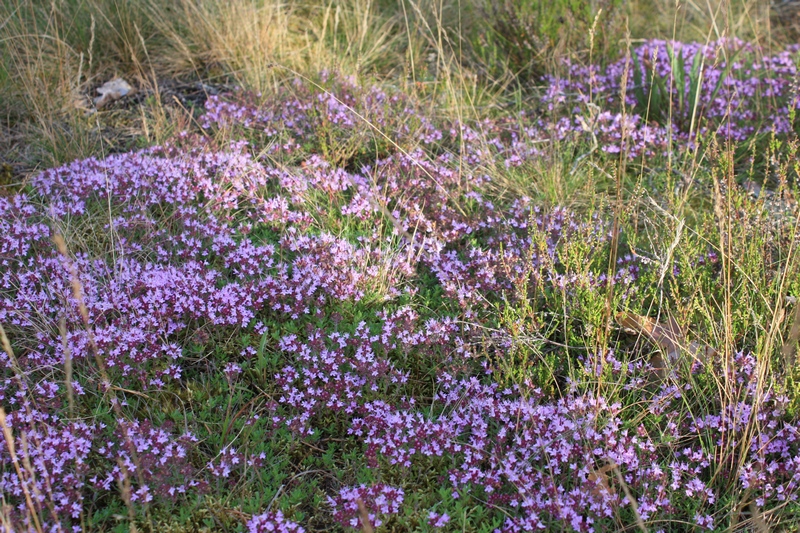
{"type": "Point", "coordinates": [112, 90]}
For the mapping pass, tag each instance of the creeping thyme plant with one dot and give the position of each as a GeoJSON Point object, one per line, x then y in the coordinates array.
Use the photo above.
{"type": "Point", "coordinates": [328, 306]}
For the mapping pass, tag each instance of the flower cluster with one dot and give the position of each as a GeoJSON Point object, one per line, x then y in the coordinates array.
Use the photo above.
{"type": "Point", "coordinates": [272, 521]}
{"type": "Point", "coordinates": [537, 457]}
{"type": "Point", "coordinates": [377, 500]}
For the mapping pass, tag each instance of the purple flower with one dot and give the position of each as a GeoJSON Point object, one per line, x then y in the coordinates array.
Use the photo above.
{"type": "Point", "coordinates": [272, 521]}
{"type": "Point", "coordinates": [438, 520]}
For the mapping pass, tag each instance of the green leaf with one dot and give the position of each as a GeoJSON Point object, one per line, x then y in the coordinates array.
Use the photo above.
{"type": "Point", "coordinates": [678, 66]}
{"type": "Point", "coordinates": [639, 92]}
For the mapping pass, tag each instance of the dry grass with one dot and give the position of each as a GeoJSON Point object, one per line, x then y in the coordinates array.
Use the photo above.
{"type": "Point", "coordinates": [56, 53]}
{"type": "Point", "coordinates": [702, 20]}
{"type": "Point", "coordinates": [245, 40]}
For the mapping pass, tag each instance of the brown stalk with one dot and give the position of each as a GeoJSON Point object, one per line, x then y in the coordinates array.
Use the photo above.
{"type": "Point", "coordinates": [10, 352]}
{"type": "Point", "coordinates": [758, 519]}
{"type": "Point", "coordinates": [363, 515]}
{"type": "Point", "coordinates": [5, 514]}
{"type": "Point", "coordinates": [9, 436]}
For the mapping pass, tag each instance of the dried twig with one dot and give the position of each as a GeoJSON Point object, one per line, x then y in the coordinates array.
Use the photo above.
{"type": "Point", "coordinates": [363, 515]}
{"type": "Point", "coordinates": [9, 436]}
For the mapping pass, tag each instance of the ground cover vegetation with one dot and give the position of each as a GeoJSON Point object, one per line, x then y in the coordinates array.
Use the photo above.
{"type": "Point", "coordinates": [399, 266]}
